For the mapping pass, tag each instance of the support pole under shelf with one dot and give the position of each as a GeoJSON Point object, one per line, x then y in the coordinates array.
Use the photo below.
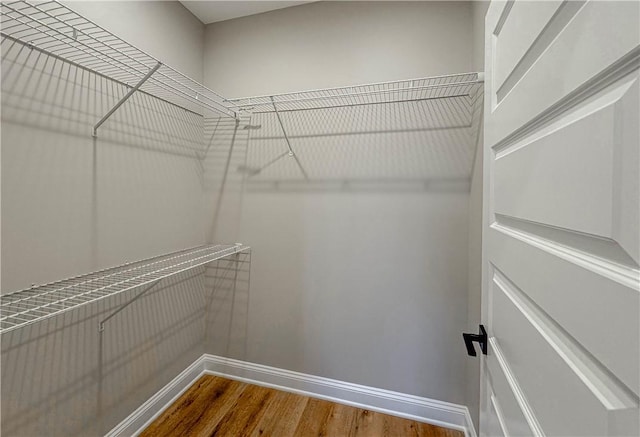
{"type": "Point", "coordinates": [124, 99]}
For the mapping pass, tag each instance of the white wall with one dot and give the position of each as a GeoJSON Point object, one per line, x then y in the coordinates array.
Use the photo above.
{"type": "Point", "coordinates": [475, 224]}
{"type": "Point", "coordinates": [164, 29]}
{"type": "Point", "coordinates": [47, 196]}
{"type": "Point", "coordinates": [70, 206]}
{"type": "Point", "coordinates": [367, 284]}
{"type": "Point", "coordinates": [329, 44]}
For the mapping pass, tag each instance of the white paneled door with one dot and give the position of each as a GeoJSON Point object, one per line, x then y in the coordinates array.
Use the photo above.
{"type": "Point", "coordinates": [562, 211]}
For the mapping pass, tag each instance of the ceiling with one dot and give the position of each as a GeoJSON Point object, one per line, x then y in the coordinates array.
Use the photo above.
{"type": "Point", "coordinates": [213, 11]}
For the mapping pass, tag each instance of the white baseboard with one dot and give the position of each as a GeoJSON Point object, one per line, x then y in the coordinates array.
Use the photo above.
{"type": "Point", "coordinates": [398, 404]}
{"type": "Point", "coordinates": [146, 413]}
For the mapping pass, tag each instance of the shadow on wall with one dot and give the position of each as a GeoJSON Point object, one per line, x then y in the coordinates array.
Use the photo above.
{"type": "Point", "coordinates": [227, 284]}
{"type": "Point", "coordinates": [358, 237]}
{"type": "Point", "coordinates": [395, 146]}
{"type": "Point", "coordinates": [139, 181]}
{"type": "Point", "coordinates": [63, 376]}
{"type": "Point", "coordinates": [409, 145]}
{"type": "Point", "coordinates": [226, 149]}
{"type": "Point", "coordinates": [72, 204]}
{"type": "Point", "coordinates": [40, 90]}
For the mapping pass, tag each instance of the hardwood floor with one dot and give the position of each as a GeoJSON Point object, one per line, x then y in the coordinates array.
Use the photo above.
{"type": "Point", "coordinates": [222, 407]}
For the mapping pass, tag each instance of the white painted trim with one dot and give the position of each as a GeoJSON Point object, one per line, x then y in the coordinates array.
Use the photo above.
{"type": "Point", "coordinates": [385, 401]}
{"type": "Point", "coordinates": [156, 404]}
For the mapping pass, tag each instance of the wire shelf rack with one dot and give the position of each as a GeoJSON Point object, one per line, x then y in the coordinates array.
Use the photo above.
{"type": "Point", "coordinates": [57, 30]}
{"type": "Point", "coordinates": [32, 305]}
{"type": "Point", "coordinates": [465, 85]}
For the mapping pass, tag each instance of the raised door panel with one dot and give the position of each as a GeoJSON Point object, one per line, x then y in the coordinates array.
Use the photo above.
{"type": "Point", "coordinates": [594, 303]}
{"type": "Point", "coordinates": [586, 39]}
{"type": "Point", "coordinates": [498, 426]}
{"type": "Point", "coordinates": [554, 372]}
{"type": "Point", "coordinates": [561, 279]}
{"type": "Point", "coordinates": [515, 36]}
{"type": "Point", "coordinates": [507, 409]}
{"type": "Point", "coordinates": [567, 174]}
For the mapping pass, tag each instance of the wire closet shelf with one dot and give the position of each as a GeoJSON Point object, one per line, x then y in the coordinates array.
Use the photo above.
{"type": "Point", "coordinates": [58, 31]}
{"type": "Point", "coordinates": [54, 29]}
{"type": "Point", "coordinates": [467, 86]}
{"type": "Point", "coordinates": [32, 305]}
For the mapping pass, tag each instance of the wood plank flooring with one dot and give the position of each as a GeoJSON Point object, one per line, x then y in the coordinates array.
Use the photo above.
{"type": "Point", "coordinates": [215, 406]}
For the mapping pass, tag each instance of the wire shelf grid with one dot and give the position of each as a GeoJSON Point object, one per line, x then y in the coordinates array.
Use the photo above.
{"type": "Point", "coordinates": [464, 85]}
{"type": "Point", "coordinates": [58, 30]}
{"type": "Point", "coordinates": [31, 305]}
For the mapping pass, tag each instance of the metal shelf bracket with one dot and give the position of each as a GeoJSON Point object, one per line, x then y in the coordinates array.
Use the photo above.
{"type": "Point", "coordinates": [138, 296]}
{"type": "Point", "coordinates": [124, 99]}
{"type": "Point", "coordinates": [286, 137]}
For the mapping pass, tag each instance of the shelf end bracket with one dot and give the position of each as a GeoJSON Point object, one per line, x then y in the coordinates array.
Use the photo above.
{"type": "Point", "coordinates": [124, 99]}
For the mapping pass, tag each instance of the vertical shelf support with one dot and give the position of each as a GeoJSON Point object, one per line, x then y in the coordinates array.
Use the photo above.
{"type": "Point", "coordinates": [124, 99]}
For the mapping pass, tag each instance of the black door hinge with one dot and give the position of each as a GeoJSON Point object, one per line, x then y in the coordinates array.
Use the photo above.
{"type": "Point", "coordinates": [481, 338]}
